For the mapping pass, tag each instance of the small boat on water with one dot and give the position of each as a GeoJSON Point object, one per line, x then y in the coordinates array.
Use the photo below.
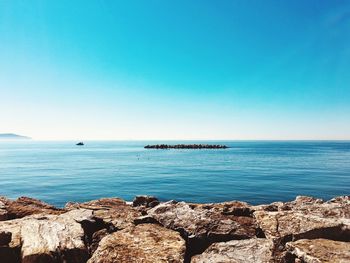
{"type": "Point", "coordinates": [80, 144]}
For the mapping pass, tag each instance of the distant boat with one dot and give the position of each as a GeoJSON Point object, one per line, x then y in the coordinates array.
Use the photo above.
{"type": "Point", "coordinates": [80, 144]}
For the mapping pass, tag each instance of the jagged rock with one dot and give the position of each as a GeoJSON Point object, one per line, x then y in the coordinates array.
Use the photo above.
{"type": "Point", "coordinates": [307, 217]}
{"type": "Point", "coordinates": [25, 206]}
{"type": "Point", "coordinates": [115, 231]}
{"type": "Point", "coordinates": [47, 238]}
{"type": "Point", "coordinates": [320, 251]}
{"type": "Point", "coordinates": [145, 200]}
{"type": "Point", "coordinates": [103, 203]}
{"type": "Point", "coordinates": [304, 218]}
{"type": "Point", "coordinates": [146, 243]}
{"type": "Point", "coordinates": [114, 212]}
{"type": "Point", "coordinates": [3, 211]}
{"type": "Point", "coordinates": [203, 224]}
{"type": "Point", "coordinates": [254, 250]}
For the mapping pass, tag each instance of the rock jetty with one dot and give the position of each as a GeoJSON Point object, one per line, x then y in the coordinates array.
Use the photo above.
{"type": "Point", "coordinates": [186, 146]}
{"type": "Point", "coordinates": [306, 230]}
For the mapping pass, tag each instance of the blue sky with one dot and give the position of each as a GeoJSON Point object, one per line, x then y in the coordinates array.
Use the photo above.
{"type": "Point", "coordinates": [175, 69]}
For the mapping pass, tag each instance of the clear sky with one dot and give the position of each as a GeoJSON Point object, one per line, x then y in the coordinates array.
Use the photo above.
{"type": "Point", "coordinates": [185, 69]}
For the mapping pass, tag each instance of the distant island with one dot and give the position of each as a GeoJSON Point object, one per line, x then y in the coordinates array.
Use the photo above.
{"type": "Point", "coordinates": [186, 146]}
{"type": "Point", "coordinates": [12, 136]}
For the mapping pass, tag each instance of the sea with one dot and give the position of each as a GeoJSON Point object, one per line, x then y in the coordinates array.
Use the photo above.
{"type": "Point", "coordinates": [256, 172]}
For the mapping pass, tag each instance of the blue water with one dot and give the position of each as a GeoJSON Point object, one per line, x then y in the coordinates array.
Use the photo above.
{"type": "Point", "coordinates": [252, 171]}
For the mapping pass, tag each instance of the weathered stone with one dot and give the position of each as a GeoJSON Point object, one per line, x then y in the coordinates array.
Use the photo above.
{"type": "Point", "coordinates": [3, 211]}
{"type": "Point", "coordinates": [145, 200]}
{"type": "Point", "coordinates": [99, 204]}
{"type": "Point", "coordinates": [320, 251]}
{"type": "Point", "coordinates": [203, 224]}
{"type": "Point", "coordinates": [304, 218]}
{"type": "Point", "coordinates": [47, 238]}
{"type": "Point", "coordinates": [25, 206]}
{"type": "Point", "coordinates": [307, 218]}
{"type": "Point", "coordinates": [146, 243]}
{"type": "Point", "coordinates": [145, 220]}
{"type": "Point", "coordinates": [254, 250]}
{"type": "Point", "coordinates": [114, 212]}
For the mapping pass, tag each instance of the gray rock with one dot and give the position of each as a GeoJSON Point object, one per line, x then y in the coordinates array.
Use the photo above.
{"type": "Point", "coordinates": [255, 250]}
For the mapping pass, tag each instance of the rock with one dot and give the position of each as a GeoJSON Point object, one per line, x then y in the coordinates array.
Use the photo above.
{"type": "Point", "coordinates": [103, 203]}
{"type": "Point", "coordinates": [47, 238]}
{"type": "Point", "coordinates": [304, 218]}
{"type": "Point", "coordinates": [146, 243]}
{"type": "Point", "coordinates": [145, 200]}
{"type": "Point", "coordinates": [3, 211]}
{"type": "Point", "coordinates": [115, 213]}
{"type": "Point", "coordinates": [145, 220]}
{"type": "Point", "coordinates": [25, 206]}
{"type": "Point", "coordinates": [319, 251]}
{"type": "Point", "coordinates": [255, 250]}
{"type": "Point", "coordinates": [109, 214]}
{"type": "Point", "coordinates": [202, 225]}
{"type": "Point", "coordinates": [307, 217]}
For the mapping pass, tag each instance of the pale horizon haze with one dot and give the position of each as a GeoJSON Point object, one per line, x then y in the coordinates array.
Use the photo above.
{"type": "Point", "coordinates": [161, 70]}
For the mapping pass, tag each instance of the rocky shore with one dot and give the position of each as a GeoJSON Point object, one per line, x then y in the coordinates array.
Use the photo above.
{"type": "Point", "coordinates": [111, 230]}
{"type": "Point", "coordinates": [186, 146]}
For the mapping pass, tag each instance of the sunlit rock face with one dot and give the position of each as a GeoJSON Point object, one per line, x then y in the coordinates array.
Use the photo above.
{"type": "Point", "coordinates": [146, 230]}
{"type": "Point", "coordinates": [254, 250]}
{"type": "Point", "coordinates": [146, 243]}
{"type": "Point", "coordinates": [319, 250]}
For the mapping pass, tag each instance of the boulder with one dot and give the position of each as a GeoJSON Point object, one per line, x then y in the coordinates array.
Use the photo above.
{"type": "Point", "coordinates": [109, 214]}
{"type": "Point", "coordinates": [145, 200]}
{"type": "Point", "coordinates": [25, 206]}
{"type": "Point", "coordinates": [46, 238]}
{"type": "Point", "coordinates": [319, 251]}
{"type": "Point", "coordinates": [254, 250]}
{"type": "Point", "coordinates": [306, 217]}
{"type": "Point", "coordinates": [115, 213]}
{"type": "Point", "coordinates": [146, 243]}
{"type": "Point", "coordinates": [3, 211]}
{"type": "Point", "coordinates": [203, 224]}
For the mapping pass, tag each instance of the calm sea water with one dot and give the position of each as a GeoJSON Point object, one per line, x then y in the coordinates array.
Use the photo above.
{"type": "Point", "coordinates": [256, 172]}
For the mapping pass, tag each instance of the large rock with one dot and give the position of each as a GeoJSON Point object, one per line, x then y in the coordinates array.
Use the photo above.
{"type": "Point", "coordinates": [25, 206]}
{"type": "Point", "coordinates": [46, 238]}
{"type": "Point", "coordinates": [255, 250]}
{"type": "Point", "coordinates": [145, 200]}
{"type": "Point", "coordinates": [306, 217]}
{"type": "Point", "coordinates": [3, 211]}
{"type": "Point", "coordinates": [203, 224]}
{"type": "Point", "coordinates": [110, 214]}
{"type": "Point", "coordinates": [146, 243]}
{"type": "Point", "coordinates": [320, 251]}
{"type": "Point", "coordinates": [114, 212]}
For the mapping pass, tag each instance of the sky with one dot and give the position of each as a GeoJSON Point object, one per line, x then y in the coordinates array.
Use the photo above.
{"type": "Point", "coordinates": [155, 69]}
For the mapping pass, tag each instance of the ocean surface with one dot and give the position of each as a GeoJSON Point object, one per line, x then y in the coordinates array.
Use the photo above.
{"type": "Point", "coordinates": [252, 171]}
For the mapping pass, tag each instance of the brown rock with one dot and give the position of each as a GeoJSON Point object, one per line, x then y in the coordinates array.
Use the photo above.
{"type": "Point", "coordinates": [25, 206]}
{"type": "Point", "coordinates": [46, 238]}
{"type": "Point", "coordinates": [320, 251]}
{"type": "Point", "coordinates": [3, 211]}
{"type": "Point", "coordinates": [255, 250]}
{"type": "Point", "coordinates": [304, 218]}
{"type": "Point", "coordinates": [203, 224]}
{"type": "Point", "coordinates": [307, 218]}
{"type": "Point", "coordinates": [146, 243]}
{"type": "Point", "coordinates": [115, 213]}
{"type": "Point", "coordinates": [145, 200]}
{"type": "Point", "coordinates": [99, 204]}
